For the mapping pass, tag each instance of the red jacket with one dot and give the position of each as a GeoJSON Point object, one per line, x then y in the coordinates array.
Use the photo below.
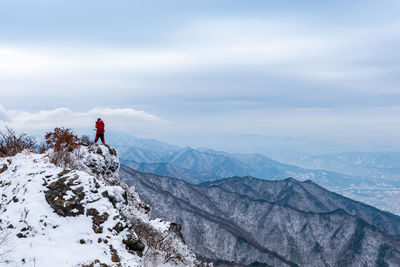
{"type": "Point", "coordinates": [100, 127]}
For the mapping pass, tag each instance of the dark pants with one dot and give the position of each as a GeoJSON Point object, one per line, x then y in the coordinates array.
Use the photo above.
{"type": "Point", "coordinates": [101, 136]}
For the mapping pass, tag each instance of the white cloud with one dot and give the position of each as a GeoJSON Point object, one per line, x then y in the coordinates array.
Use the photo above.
{"type": "Point", "coordinates": [64, 117]}
{"type": "Point", "coordinates": [285, 47]}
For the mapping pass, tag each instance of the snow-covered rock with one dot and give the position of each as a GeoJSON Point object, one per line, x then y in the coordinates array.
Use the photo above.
{"type": "Point", "coordinates": [86, 216]}
{"type": "Point", "coordinates": [100, 159]}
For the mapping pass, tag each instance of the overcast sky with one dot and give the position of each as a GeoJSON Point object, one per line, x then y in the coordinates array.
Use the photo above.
{"type": "Point", "coordinates": [185, 71]}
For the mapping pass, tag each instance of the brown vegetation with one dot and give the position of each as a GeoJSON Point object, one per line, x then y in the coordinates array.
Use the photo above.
{"type": "Point", "coordinates": [62, 139]}
{"type": "Point", "coordinates": [12, 143]}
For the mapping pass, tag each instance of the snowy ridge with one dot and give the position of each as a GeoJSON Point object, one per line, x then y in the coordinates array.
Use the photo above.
{"type": "Point", "coordinates": [83, 216]}
{"type": "Point", "coordinates": [253, 222]}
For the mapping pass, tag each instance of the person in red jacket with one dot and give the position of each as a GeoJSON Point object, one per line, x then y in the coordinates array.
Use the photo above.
{"type": "Point", "coordinates": [100, 131]}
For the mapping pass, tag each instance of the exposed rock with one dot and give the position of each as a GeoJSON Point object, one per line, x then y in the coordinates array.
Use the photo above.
{"type": "Point", "coordinates": [97, 219]}
{"type": "Point", "coordinates": [62, 203]}
{"type": "Point", "coordinates": [96, 263]}
{"type": "Point", "coordinates": [134, 244]}
{"type": "Point", "coordinates": [119, 227]}
{"type": "Point", "coordinates": [112, 150]}
{"type": "Point", "coordinates": [97, 229]}
{"type": "Point", "coordinates": [177, 230]}
{"type": "Point", "coordinates": [125, 196]}
{"type": "Point", "coordinates": [64, 172]}
{"type": "Point", "coordinates": [21, 235]}
{"type": "Point", "coordinates": [114, 255]}
{"type": "Point", "coordinates": [4, 168]}
{"type": "Point", "coordinates": [110, 197]}
{"type": "Point", "coordinates": [146, 208]}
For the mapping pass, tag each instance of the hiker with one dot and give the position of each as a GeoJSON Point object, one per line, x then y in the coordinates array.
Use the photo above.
{"type": "Point", "coordinates": [99, 131]}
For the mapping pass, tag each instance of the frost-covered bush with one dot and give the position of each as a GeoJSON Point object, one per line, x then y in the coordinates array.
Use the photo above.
{"type": "Point", "coordinates": [158, 244]}
{"type": "Point", "coordinates": [12, 143]}
{"type": "Point", "coordinates": [85, 140]}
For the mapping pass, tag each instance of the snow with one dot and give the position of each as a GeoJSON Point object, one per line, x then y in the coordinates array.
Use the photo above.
{"type": "Point", "coordinates": [69, 195]}
{"type": "Point", "coordinates": [38, 236]}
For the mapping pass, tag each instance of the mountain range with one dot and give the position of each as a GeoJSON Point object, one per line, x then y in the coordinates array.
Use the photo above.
{"type": "Point", "coordinates": [384, 166]}
{"type": "Point", "coordinates": [87, 210]}
{"type": "Point", "coordinates": [243, 221]}
{"type": "Point", "coordinates": [202, 165]}
{"type": "Point", "coordinates": [357, 175]}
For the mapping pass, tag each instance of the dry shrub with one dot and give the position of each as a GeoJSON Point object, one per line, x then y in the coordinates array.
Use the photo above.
{"type": "Point", "coordinates": [158, 244]}
{"type": "Point", "coordinates": [62, 139]}
{"type": "Point", "coordinates": [42, 148]}
{"type": "Point", "coordinates": [11, 143]}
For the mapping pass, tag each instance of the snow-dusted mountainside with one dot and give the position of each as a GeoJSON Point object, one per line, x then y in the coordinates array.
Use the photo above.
{"type": "Point", "coordinates": [82, 216]}
{"type": "Point", "coordinates": [245, 221]}
{"type": "Point", "coordinates": [201, 165]}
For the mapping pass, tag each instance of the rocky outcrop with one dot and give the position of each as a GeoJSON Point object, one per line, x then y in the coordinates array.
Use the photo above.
{"type": "Point", "coordinates": [100, 159]}
{"type": "Point", "coordinates": [65, 196]}
{"type": "Point", "coordinates": [87, 208]}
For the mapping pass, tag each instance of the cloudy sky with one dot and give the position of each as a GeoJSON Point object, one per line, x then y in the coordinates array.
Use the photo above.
{"type": "Point", "coordinates": [188, 71]}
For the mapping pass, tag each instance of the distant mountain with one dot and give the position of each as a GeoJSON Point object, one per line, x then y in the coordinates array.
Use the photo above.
{"type": "Point", "coordinates": [140, 155]}
{"type": "Point", "coordinates": [248, 221]}
{"type": "Point", "coordinates": [124, 143]}
{"type": "Point", "coordinates": [281, 148]}
{"type": "Point", "coordinates": [170, 170]}
{"type": "Point", "coordinates": [376, 167]}
{"type": "Point", "coordinates": [384, 166]}
{"type": "Point", "coordinates": [201, 165]}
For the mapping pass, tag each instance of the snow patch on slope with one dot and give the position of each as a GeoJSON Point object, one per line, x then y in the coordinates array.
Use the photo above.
{"type": "Point", "coordinates": [56, 217]}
